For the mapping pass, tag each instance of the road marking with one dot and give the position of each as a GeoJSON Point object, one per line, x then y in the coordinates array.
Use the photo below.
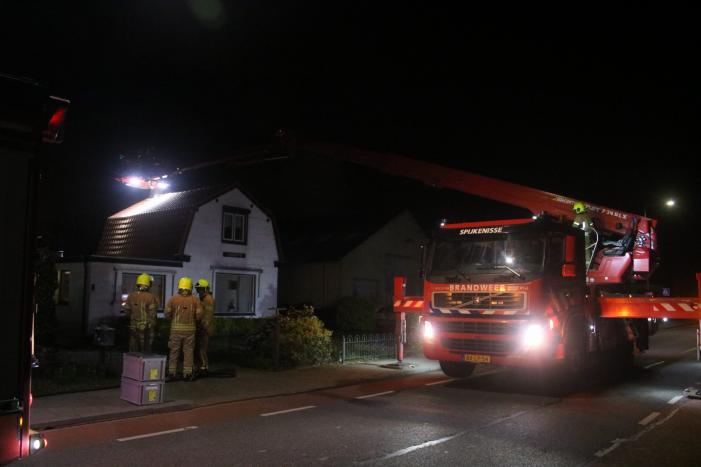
{"type": "Point", "coordinates": [675, 399]}
{"type": "Point", "coordinates": [368, 396]}
{"type": "Point", "coordinates": [618, 441]}
{"type": "Point", "coordinates": [439, 382]}
{"type": "Point", "coordinates": [427, 444]}
{"type": "Point", "coordinates": [269, 414]}
{"type": "Point", "coordinates": [158, 433]}
{"type": "Point", "coordinates": [653, 364]}
{"type": "Point", "coordinates": [649, 418]}
{"type": "Point", "coordinates": [435, 442]}
{"type": "Point", "coordinates": [690, 350]}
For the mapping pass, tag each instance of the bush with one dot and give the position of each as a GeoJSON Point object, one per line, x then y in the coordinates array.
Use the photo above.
{"type": "Point", "coordinates": [301, 336]}
{"type": "Point", "coordinates": [355, 315]}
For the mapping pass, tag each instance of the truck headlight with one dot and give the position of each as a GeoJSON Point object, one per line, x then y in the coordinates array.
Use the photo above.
{"type": "Point", "coordinates": [533, 336]}
{"type": "Point", "coordinates": [429, 333]}
{"type": "Point", "coordinates": [37, 442]}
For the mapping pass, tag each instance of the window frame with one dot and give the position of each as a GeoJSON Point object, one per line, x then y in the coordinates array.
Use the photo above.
{"type": "Point", "coordinates": [254, 293]}
{"type": "Point", "coordinates": [126, 289]}
{"type": "Point", "coordinates": [235, 213]}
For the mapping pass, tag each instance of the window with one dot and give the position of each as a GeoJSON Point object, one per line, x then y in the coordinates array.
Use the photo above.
{"type": "Point", "coordinates": [158, 288]}
{"type": "Point", "coordinates": [556, 255]}
{"type": "Point", "coordinates": [64, 287]}
{"type": "Point", "coordinates": [234, 225]}
{"type": "Point", "coordinates": [235, 294]}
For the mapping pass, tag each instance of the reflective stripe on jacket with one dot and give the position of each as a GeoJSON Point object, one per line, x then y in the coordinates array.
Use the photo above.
{"type": "Point", "coordinates": [184, 311]}
{"type": "Point", "coordinates": [141, 308]}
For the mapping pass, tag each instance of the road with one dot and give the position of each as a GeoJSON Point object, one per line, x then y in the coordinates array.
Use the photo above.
{"type": "Point", "coordinates": [503, 417]}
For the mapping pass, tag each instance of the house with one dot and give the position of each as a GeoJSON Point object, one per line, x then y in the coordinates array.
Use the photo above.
{"type": "Point", "coordinates": [219, 234]}
{"type": "Point", "coordinates": [351, 256]}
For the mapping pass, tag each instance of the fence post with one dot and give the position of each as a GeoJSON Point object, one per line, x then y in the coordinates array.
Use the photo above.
{"type": "Point", "coordinates": [343, 351]}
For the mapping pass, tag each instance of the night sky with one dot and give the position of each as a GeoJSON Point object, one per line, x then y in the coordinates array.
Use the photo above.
{"type": "Point", "coordinates": [600, 104]}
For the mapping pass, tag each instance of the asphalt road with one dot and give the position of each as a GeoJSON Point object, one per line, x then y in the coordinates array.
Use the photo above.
{"type": "Point", "coordinates": [499, 418]}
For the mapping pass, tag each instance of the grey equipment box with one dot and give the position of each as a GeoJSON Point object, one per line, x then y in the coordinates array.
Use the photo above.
{"type": "Point", "coordinates": [143, 366]}
{"type": "Point", "coordinates": [142, 392]}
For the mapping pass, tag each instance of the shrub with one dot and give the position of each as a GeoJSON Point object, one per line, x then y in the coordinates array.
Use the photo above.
{"type": "Point", "coordinates": [302, 339]}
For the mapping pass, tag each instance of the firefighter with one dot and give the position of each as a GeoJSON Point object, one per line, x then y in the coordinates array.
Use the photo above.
{"type": "Point", "coordinates": [584, 222]}
{"type": "Point", "coordinates": [204, 325]}
{"type": "Point", "coordinates": [183, 310]}
{"type": "Point", "coordinates": [141, 307]}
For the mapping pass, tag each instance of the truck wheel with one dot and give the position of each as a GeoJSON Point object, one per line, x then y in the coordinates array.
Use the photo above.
{"type": "Point", "coordinates": [457, 369]}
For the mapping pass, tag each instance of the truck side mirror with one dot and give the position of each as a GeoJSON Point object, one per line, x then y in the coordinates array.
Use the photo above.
{"type": "Point", "coordinates": [569, 269]}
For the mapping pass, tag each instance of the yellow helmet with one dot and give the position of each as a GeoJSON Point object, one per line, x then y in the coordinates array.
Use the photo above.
{"type": "Point", "coordinates": [185, 283]}
{"type": "Point", "coordinates": [204, 283]}
{"type": "Point", "coordinates": [144, 279]}
{"type": "Point", "coordinates": [579, 207]}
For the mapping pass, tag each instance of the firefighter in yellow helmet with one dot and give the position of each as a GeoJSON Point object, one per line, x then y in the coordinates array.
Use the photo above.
{"type": "Point", "coordinates": [204, 325]}
{"type": "Point", "coordinates": [183, 310]}
{"type": "Point", "coordinates": [584, 222]}
{"type": "Point", "coordinates": [141, 307]}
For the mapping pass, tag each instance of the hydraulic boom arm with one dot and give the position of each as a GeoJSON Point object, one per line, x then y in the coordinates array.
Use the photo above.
{"type": "Point", "coordinates": [537, 201]}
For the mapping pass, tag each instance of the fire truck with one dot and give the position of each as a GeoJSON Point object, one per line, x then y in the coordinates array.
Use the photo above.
{"type": "Point", "coordinates": [29, 118]}
{"type": "Point", "coordinates": [529, 292]}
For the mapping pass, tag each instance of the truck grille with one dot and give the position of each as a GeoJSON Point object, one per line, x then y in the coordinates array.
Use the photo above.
{"type": "Point", "coordinates": [480, 300]}
{"type": "Point", "coordinates": [472, 327]}
{"type": "Point", "coordinates": [479, 345]}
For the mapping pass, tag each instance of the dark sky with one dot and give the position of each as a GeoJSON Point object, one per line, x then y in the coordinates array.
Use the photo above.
{"type": "Point", "coordinates": [599, 103]}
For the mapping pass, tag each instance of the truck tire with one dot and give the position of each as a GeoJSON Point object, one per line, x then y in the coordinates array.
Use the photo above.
{"type": "Point", "coordinates": [457, 369]}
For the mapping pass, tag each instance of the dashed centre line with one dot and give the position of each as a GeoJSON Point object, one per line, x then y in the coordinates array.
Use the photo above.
{"type": "Point", "coordinates": [280, 412]}
{"type": "Point", "coordinates": [157, 433]}
{"type": "Point", "coordinates": [649, 418]}
{"type": "Point", "coordinates": [675, 399]}
{"type": "Point", "coordinates": [653, 364]}
{"type": "Point", "coordinates": [368, 396]}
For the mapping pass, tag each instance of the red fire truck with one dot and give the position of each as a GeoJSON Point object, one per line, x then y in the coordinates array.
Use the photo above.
{"type": "Point", "coordinates": [526, 292]}
{"type": "Point", "coordinates": [28, 117]}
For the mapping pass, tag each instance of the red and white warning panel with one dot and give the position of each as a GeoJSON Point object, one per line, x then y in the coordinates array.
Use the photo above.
{"type": "Point", "coordinates": [409, 304]}
{"type": "Point", "coordinates": [644, 307]}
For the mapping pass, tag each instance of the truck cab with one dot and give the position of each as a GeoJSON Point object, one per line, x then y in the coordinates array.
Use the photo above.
{"type": "Point", "coordinates": [502, 292]}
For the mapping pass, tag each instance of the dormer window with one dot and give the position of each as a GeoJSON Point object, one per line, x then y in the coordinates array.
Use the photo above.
{"type": "Point", "coordinates": [235, 225]}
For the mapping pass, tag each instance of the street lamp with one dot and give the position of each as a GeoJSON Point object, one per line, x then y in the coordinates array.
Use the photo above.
{"type": "Point", "coordinates": [670, 203]}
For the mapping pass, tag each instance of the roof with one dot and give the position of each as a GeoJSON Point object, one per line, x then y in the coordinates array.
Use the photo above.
{"type": "Point", "coordinates": [156, 227]}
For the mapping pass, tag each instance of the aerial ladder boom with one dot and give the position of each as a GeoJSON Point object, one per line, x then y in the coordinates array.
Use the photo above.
{"type": "Point", "coordinates": [536, 201]}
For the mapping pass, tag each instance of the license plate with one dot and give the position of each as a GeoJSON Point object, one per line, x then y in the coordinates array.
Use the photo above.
{"type": "Point", "coordinates": [477, 358]}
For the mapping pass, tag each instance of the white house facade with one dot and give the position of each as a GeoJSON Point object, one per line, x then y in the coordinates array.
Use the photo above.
{"type": "Point", "coordinates": [220, 235]}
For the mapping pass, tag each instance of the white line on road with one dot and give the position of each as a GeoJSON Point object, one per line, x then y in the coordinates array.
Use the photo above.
{"type": "Point", "coordinates": [675, 399]}
{"type": "Point", "coordinates": [443, 381]}
{"type": "Point", "coordinates": [653, 364]}
{"type": "Point", "coordinates": [618, 441]}
{"type": "Point", "coordinates": [306, 407]}
{"type": "Point", "coordinates": [368, 396]}
{"type": "Point", "coordinates": [649, 418]}
{"type": "Point", "coordinates": [427, 444]}
{"type": "Point", "coordinates": [158, 433]}
{"type": "Point", "coordinates": [693, 349]}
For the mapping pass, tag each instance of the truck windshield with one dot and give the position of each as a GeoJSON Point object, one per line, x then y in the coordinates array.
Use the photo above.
{"type": "Point", "coordinates": [464, 258]}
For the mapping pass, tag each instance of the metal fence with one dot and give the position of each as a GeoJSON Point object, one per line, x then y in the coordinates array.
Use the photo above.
{"type": "Point", "coordinates": [356, 348]}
